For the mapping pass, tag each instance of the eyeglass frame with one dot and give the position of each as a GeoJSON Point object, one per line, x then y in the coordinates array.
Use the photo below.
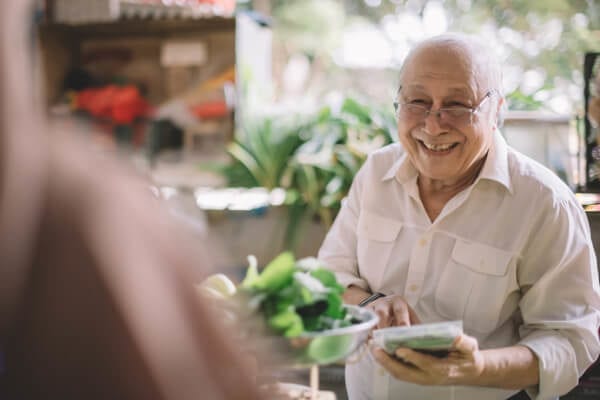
{"type": "Point", "coordinates": [472, 111]}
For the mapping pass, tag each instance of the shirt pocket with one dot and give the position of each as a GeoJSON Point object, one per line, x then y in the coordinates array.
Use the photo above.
{"type": "Point", "coordinates": [377, 237]}
{"type": "Point", "coordinates": [475, 285]}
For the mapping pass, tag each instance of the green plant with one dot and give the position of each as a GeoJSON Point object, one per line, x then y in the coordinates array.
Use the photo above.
{"type": "Point", "coordinates": [313, 158]}
{"type": "Point", "coordinates": [260, 154]}
{"type": "Point", "coordinates": [339, 142]}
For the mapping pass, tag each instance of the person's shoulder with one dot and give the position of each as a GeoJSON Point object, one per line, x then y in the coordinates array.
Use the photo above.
{"type": "Point", "coordinates": [531, 178]}
{"type": "Point", "coordinates": [380, 161]}
{"type": "Point", "coordinates": [385, 156]}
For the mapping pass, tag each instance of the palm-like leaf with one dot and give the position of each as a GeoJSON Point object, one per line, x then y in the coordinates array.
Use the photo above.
{"type": "Point", "coordinates": [314, 160]}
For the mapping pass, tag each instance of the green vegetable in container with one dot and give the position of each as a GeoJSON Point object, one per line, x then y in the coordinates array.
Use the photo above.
{"type": "Point", "coordinates": [295, 297]}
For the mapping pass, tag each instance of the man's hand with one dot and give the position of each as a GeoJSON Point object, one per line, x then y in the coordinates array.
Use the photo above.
{"type": "Point", "coordinates": [463, 365]}
{"type": "Point", "coordinates": [393, 310]}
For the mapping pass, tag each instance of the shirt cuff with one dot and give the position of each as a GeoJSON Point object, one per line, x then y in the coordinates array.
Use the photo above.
{"type": "Point", "coordinates": [557, 364]}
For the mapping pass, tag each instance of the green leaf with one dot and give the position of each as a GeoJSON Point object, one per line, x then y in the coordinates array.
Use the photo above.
{"type": "Point", "coordinates": [285, 320]}
{"type": "Point", "coordinates": [277, 274]}
{"type": "Point", "coordinates": [310, 183]}
{"type": "Point", "coordinates": [326, 277]}
{"type": "Point", "coordinates": [296, 329]}
{"type": "Point", "coordinates": [245, 157]}
{"type": "Point", "coordinates": [335, 308]}
{"type": "Point", "coordinates": [251, 277]}
{"type": "Point", "coordinates": [324, 114]}
{"type": "Point", "coordinates": [361, 112]}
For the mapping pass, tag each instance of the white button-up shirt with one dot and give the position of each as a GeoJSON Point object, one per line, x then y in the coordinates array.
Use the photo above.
{"type": "Point", "coordinates": [511, 256]}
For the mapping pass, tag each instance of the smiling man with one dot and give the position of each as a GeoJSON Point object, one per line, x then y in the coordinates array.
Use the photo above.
{"type": "Point", "coordinates": [453, 224]}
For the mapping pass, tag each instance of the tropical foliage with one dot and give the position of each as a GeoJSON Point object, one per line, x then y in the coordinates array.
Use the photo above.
{"type": "Point", "coordinates": [314, 158]}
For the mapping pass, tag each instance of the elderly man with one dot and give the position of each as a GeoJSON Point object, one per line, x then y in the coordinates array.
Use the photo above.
{"type": "Point", "coordinates": [456, 225]}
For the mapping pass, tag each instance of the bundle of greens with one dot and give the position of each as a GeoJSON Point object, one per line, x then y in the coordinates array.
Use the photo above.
{"type": "Point", "coordinates": [295, 297]}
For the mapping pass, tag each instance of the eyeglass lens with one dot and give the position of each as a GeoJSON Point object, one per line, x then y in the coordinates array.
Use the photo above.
{"type": "Point", "coordinates": [450, 115]}
{"type": "Point", "coordinates": [454, 115]}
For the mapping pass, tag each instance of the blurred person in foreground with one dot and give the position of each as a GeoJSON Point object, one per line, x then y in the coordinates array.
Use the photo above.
{"type": "Point", "coordinates": [453, 224]}
{"type": "Point", "coordinates": [96, 280]}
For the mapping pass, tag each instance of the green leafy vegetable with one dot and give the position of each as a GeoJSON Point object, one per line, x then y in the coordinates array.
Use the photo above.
{"type": "Point", "coordinates": [274, 277]}
{"type": "Point", "coordinates": [287, 322]}
{"type": "Point", "coordinates": [295, 297]}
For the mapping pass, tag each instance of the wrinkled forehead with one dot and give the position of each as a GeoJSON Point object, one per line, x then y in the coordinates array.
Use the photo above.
{"type": "Point", "coordinates": [460, 63]}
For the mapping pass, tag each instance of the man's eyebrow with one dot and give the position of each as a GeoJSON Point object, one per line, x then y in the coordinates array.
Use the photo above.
{"type": "Point", "coordinates": [461, 91]}
{"type": "Point", "coordinates": [412, 86]}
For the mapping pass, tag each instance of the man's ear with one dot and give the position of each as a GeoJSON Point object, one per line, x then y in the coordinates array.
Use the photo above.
{"type": "Point", "coordinates": [500, 103]}
{"type": "Point", "coordinates": [500, 110]}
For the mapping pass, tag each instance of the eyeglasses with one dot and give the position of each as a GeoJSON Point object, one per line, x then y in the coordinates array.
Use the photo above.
{"type": "Point", "coordinates": [455, 115]}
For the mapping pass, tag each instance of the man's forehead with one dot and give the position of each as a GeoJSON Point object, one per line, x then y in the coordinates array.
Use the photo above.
{"type": "Point", "coordinates": [453, 90]}
{"type": "Point", "coordinates": [456, 60]}
{"type": "Point", "coordinates": [445, 48]}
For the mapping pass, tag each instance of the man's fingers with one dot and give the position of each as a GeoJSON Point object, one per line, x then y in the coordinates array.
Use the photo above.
{"type": "Point", "coordinates": [401, 314]}
{"type": "Point", "coordinates": [419, 360]}
{"type": "Point", "coordinates": [393, 311]}
{"type": "Point", "coordinates": [465, 344]}
{"type": "Point", "coordinates": [414, 319]}
{"type": "Point", "coordinates": [385, 318]}
{"type": "Point", "coordinates": [397, 368]}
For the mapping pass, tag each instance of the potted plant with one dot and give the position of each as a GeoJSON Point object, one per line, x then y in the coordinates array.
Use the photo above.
{"type": "Point", "coordinates": [313, 158]}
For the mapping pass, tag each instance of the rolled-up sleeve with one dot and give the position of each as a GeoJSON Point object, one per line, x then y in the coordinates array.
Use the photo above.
{"type": "Point", "coordinates": [338, 251]}
{"type": "Point", "coordinates": [561, 302]}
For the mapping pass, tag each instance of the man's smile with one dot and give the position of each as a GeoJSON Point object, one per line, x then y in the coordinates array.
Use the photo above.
{"type": "Point", "coordinates": [439, 148]}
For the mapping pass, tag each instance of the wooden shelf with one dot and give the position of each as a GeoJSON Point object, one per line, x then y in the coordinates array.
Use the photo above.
{"type": "Point", "coordinates": [141, 27]}
{"type": "Point", "coordinates": [64, 47]}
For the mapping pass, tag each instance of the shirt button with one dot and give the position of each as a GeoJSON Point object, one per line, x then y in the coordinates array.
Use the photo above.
{"type": "Point", "coordinates": [381, 371]}
{"type": "Point", "coordinates": [422, 242]}
{"type": "Point", "coordinates": [413, 287]}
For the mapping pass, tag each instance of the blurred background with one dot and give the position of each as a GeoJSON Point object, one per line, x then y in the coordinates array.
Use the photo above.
{"type": "Point", "coordinates": [252, 117]}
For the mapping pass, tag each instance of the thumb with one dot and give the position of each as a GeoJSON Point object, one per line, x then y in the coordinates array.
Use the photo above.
{"type": "Point", "coordinates": [466, 344]}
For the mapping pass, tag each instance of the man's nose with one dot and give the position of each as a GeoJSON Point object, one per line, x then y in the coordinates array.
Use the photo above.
{"type": "Point", "coordinates": [433, 125]}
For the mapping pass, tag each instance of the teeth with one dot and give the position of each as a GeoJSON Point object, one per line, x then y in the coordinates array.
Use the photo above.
{"type": "Point", "coordinates": [438, 147]}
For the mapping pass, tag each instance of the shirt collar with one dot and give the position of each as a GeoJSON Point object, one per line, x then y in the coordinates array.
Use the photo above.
{"type": "Point", "coordinates": [402, 169]}
{"type": "Point", "coordinates": [495, 167]}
